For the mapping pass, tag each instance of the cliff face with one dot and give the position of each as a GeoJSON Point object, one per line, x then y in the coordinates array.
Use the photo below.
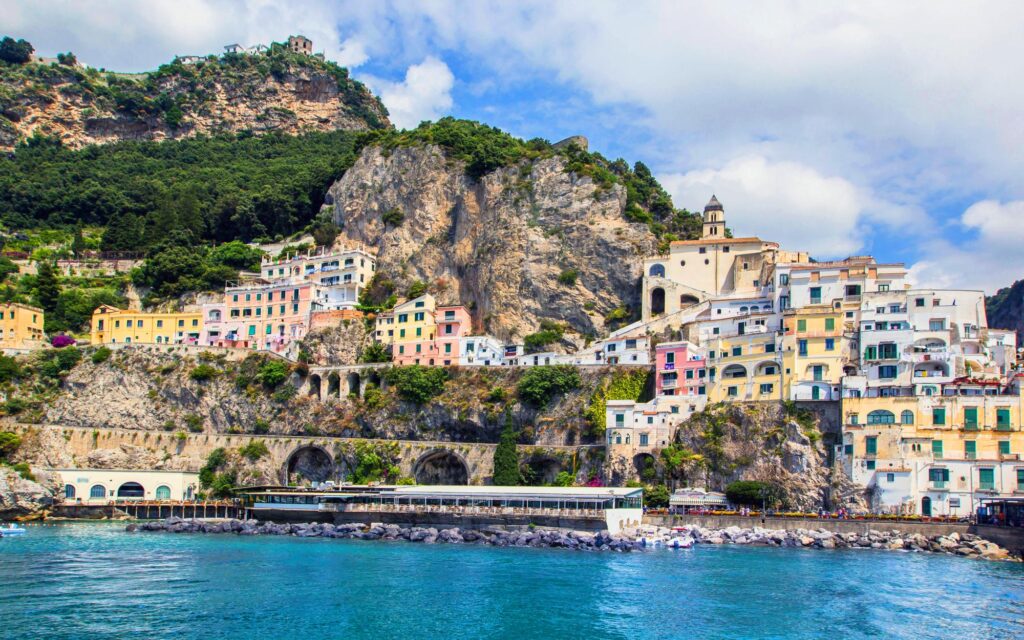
{"type": "Point", "coordinates": [278, 92]}
{"type": "Point", "coordinates": [1005, 309]}
{"type": "Point", "coordinates": [524, 243]}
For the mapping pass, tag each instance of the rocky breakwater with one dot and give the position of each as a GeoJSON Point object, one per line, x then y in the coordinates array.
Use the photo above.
{"type": "Point", "coordinates": [634, 540]}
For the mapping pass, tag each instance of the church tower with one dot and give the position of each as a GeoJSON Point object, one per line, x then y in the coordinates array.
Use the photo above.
{"type": "Point", "coordinates": [714, 219]}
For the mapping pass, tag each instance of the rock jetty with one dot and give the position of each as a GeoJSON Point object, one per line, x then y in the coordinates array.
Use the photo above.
{"type": "Point", "coordinates": [966, 545]}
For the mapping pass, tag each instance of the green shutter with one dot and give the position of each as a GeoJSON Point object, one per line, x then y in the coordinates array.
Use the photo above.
{"type": "Point", "coordinates": [939, 416]}
{"type": "Point", "coordinates": [1003, 418]}
{"type": "Point", "coordinates": [987, 478]}
{"type": "Point", "coordinates": [871, 353]}
{"type": "Point", "coordinates": [830, 324]}
{"type": "Point", "coordinates": [1004, 447]}
{"type": "Point", "coordinates": [971, 449]}
{"type": "Point", "coordinates": [871, 445]}
{"type": "Point", "coordinates": [970, 417]}
{"type": "Point", "coordinates": [801, 325]}
{"type": "Point", "coordinates": [937, 448]}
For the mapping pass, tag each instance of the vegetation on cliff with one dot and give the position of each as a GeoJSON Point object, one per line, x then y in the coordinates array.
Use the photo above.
{"type": "Point", "coordinates": [1005, 309]}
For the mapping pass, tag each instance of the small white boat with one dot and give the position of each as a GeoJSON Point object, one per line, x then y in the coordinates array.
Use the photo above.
{"type": "Point", "coordinates": [651, 542]}
{"type": "Point", "coordinates": [680, 543]}
{"type": "Point", "coordinates": [11, 530]}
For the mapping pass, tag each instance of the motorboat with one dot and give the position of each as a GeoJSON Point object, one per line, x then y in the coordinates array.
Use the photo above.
{"type": "Point", "coordinates": [11, 530]}
{"type": "Point", "coordinates": [684, 542]}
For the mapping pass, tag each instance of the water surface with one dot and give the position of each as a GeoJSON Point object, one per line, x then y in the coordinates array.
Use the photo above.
{"type": "Point", "coordinates": [87, 580]}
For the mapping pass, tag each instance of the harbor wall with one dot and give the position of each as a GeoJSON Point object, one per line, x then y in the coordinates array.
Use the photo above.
{"type": "Point", "coordinates": [835, 526]}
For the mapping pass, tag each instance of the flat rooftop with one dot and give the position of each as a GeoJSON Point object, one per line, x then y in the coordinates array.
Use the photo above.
{"type": "Point", "coordinates": [457, 490]}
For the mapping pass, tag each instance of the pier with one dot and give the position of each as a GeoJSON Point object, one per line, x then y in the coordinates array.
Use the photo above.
{"type": "Point", "coordinates": [151, 509]}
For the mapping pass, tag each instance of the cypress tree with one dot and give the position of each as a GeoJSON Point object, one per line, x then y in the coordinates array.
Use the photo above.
{"type": "Point", "coordinates": [47, 287]}
{"type": "Point", "coordinates": [506, 457]}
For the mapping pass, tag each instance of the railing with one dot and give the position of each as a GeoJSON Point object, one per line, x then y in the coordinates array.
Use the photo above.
{"type": "Point", "coordinates": [986, 486]}
{"type": "Point", "coordinates": [470, 510]}
{"type": "Point", "coordinates": [939, 484]}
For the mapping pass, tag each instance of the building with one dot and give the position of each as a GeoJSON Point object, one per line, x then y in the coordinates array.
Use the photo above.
{"type": "Point", "coordinates": [338, 277]}
{"type": "Point", "coordinates": [267, 315]}
{"type": "Point", "coordinates": [100, 486]}
{"type": "Point", "coordinates": [480, 351]}
{"type": "Point", "coordinates": [813, 352]}
{"type": "Point", "coordinates": [300, 44]}
{"type": "Point", "coordinates": [111, 325]}
{"type": "Point", "coordinates": [644, 428]}
{"type": "Point", "coordinates": [680, 370]}
{"type": "Point", "coordinates": [21, 326]}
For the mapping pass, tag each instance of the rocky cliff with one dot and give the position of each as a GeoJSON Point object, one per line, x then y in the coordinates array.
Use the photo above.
{"type": "Point", "coordinates": [278, 91]}
{"type": "Point", "coordinates": [1005, 309]}
{"type": "Point", "coordinates": [522, 243]}
{"type": "Point", "coordinates": [23, 497]}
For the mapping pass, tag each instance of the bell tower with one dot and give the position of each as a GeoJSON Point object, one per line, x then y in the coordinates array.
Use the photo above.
{"type": "Point", "coordinates": [714, 219]}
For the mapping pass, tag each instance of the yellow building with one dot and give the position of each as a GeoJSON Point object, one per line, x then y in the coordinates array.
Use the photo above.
{"type": "Point", "coordinates": [814, 352]}
{"type": "Point", "coordinates": [939, 454]}
{"type": "Point", "coordinates": [410, 321]}
{"type": "Point", "coordinates": [744, 368]}
{"type": "Point", "coordinates": [21, 326]}
{"type": "Point", "coordinates": [111, 325]}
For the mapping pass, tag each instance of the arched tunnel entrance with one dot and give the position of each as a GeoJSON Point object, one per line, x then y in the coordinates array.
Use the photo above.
{"type": "Point", "coordinates": [333, 384]}
{"type": "Point", "coordinates": [541, 471]}
{"type": "Point", "coordinates": [441, 467]}
{"type": "Point", "coordinates": [353, 384]}
{"type": "Point", "coordinates": [314, 385]}
{"type": "Point", "coordinates": [311, 464]}
{"type": "Point", "coordinates": [646, 466]}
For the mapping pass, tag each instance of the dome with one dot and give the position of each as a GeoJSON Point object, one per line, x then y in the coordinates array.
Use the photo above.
{"type": "Point", "coordinates": [713, 205]}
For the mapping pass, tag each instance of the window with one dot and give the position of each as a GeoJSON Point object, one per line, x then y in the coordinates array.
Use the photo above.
{"type": "Point", "coordinates": [830, 344]}
{"type": "Point", "coordinates": [447, 347]}
{"type": "Point", "coordinates": [770, 371]}
{"type": "Point", "coordinates": [883, 287]}
{"type": "Point", "coordinates": [939, 416]}
{"type": "Point", "coordinates": [818, 371]}
{"type": "Point", "coordinates": [733, 392]}
{"type": "Point", "coordinates": [801, 325]}
{"type": "Point", "coordinates": [869, 465]}
{"type": "Point", "coordinates": [703, 250]}
{"type": "Point", "coordinates": [802, 347]}
{"type": "Point", "coordinates": [888, 351]}
{"type": "Point", "coordinates": [848, 449]}
{"type": "Point", "coordinates": [403, 317]}
{"type": "Point", "coordinates": [830, 324]}
{"type": "Point", "coordinates": [643, 439]}
{"type": "Point", "coordinates": [871, 353]}
{"type": "Point", "coordinates": [854, 418]}
{"type": "Point", "coordinates": [907, 417]}
{"type": "Point", "coordinates": [918, 302]}
{"type": "Point", "coordinates": [767, 388]}
{"type": "Point", "coordinates": [163, 492]}
{"type": "Point", "coordinates": [783, 302]}
{"type": "Point", "coordinates": [769, 348]}
{"type": "Point", "coordinates": [970, 449]}
{"type": "Point", "coordinates": [418, 316]}
{"type": "Point", "coordinates": [890, 477]}
{"type": "Point", "coordinates": [881, 417]}
{"type": "Point", "coordinates": [986, 479]}
{"type": "Point", "coordinates": [888, 372]}
{"type": "Point", "coordinates": [737, 351]}
{"type": "Point", "coordinates": [1003, 419]}
{"type": "Point", "coordinates": [970, 417]}
{"type": "Point", "coordinates": [1020, 478]}
{"type": "Point", "coordinates": [657, 271]}
{"type": "Point", "coordinates": [938, 477]}
{"type": "Point", "coordinates": [937, 448]}
{"type": "Point", "coordinates": [620, 419]}
{"type": "Point", "coordinates": [1004, 447]}
{"type": "Point", "coordinates": [689, 374]}
{"type": "Point", "coordinates": [783, 279]}
{"type": "Point", "coordinates": [98, 491]}
{"type": "Point", "coordinates": [815, 295]}
{"type": "Point", "coordinates": [128, 323]}
{"type": "Point", "coordinates": [252, 329]}
{"type": "Point", "coordinates": [181, 323]}
{"type": "Point", "coordinates": [936, 325]}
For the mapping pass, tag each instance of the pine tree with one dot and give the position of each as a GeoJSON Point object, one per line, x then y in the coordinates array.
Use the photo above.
{"type": "Point", "coordinates": [47, 287]}
{"type": "Point", "coordinates": [78, 244]}
{"type": "Point", "coordinates": [506, 457]}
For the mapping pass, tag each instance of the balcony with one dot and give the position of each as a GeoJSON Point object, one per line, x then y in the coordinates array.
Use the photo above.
{"type": "Point", "coordinates": [668, 366]}
{"type": "Point", "coordinates": [1009, 456]}
{"type": "Point", "coordinates": [986, 486]}
{"type": "Point", "coordinates": [939, 485]}
{"type": "Point", "coordinates": [669, 384]}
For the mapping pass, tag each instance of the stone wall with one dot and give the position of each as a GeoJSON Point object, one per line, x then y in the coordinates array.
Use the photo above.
{"type": "Point", "coordinates": [835, 526]}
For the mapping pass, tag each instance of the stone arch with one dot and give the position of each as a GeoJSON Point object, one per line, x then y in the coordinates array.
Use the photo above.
{"type": "Point", "coordinates": [314, 385]}
{"type": "Point", "coordinates": [657, 271]}
{"type": "Point", "coordinates": [333, 384]}
{"type": "Point", "coordinates": [646, 466]}
{"type": "Point", "coordinates": [688, 300]}
{"type": "Point", "coordinates": [441, 466]}
{"type": "Point", "coordinates": [309, 462]}
{"type": "Point", "coordinates": [541, 470]}
{"type": "Point", "coordinates": [352, 383]}
{"type": "Point", "coordinates": [657, 300]}
{"type": "Point", "coordinates": [131, 490]}
{"type": "Point", "coordinates": [373, 377]}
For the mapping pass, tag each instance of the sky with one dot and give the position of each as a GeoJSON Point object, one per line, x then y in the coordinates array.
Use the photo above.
{"type": "Point", "coordinates": [894, 129]}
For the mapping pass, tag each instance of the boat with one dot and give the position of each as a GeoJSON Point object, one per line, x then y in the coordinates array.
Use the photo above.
{"type": "Point", "coordinates": [11, 530]}
{"type": "Point", "coordinates": [680, 543]}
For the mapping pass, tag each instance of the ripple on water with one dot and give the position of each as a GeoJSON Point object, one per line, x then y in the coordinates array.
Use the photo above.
{"type": "Point", "coordinates": [95, 581]}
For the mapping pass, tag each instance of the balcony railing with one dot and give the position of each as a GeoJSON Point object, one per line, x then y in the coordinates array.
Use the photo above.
{"type": "Point", "coordinates": [986, 486]}
{"type": "Point", "coordinates": [939, 484]}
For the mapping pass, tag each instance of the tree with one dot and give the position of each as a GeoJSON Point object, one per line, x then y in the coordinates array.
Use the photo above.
{"type": "Point", "coordinates": [375, 352]}
{"type": "Point", "coordinates": [7, 267]}
{"type": "Point", "coordinates": [67, 59]}
{"type": "Point", "coordinates": [47, 287]}
{"type": "Point", "coordinates": [506, 457]}
{"type": "Point", "coordinates": [78, 244]}
{"type": "Point", "coordinates": [678, 461]}
{"type": "Point", "coordinates": [9, 443]}
{"type": "Point", "coordinates": [416, 383]}
{"type": "Point", "coordinates": [237, 255]}
{"type": "Point", "coordinates": [416, 289]}
{"type": "Point", "coordinates": [656, 496]}
{"type": "Point", "coordinates": [15, 51]}
{"type": "Point", "coordinates": [272, 373]}
{"type": "Point", "coordinates": [752, 492]}
{"type": "Point", "coordinates": [540, 384]}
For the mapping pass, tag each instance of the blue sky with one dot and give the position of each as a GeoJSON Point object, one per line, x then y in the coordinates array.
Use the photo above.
{"type": "Point", "coordinates": [887, 128]}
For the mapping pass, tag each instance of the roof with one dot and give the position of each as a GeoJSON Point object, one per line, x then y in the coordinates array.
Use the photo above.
{"type": "Point", "coordinates": [465, 490]}
{"type": "Point", "coordinates": [713, 204]}
{"type": "Point", "coordinates": [744, 240]}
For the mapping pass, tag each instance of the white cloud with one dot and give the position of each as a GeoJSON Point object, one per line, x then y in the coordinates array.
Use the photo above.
{"type": "Point", "coordinates": [987, 255]}
{"type": "Point", "coordinates": [787, 202]}
{"type": "Point", "coordinates": [425, 94]}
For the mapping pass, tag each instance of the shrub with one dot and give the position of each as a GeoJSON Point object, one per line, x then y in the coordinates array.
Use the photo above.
{"type": "Point", "coordinates": [540, 384]}
{"type": "Point", "coordinates": [272, 373]}
{"type": "Point", "coordinates": [9, 443]}
{"type": "Point", "coordinates": [751, 492]}
{"type": "Point", "coordinates": [375, 352]}
{"type": "Point", "coordinates": [14, 406]}
{"type": "Point", "coordinates": [194, 423]}
{"type": "Point", "coordinates": [24, 471]}
{"type": "Point", "coordinates": [53, 364]}
{"type": "Point", "coordinates": [393, 217]}
{"type": "Point", "coordinates": [624, 385]}
{"type": "Point", "coordinates": [101, 355]}
{"type": "Point", "coordinates": [564, 479]}
{"type": "Point", "coordinates": [416, 383]}
{"type": "Point", "coordinates": [373, 397]}
{"type": "Point", "coordinates": [254, 450]}
{"type": "Point", "coordinates": [261, 426]}
{"type": "Point", "coordinates": [9, 369]}
{"type": "Point", "coordinates": [416, 289]}
{"type": "Point", "coordinates": [568, 277]}
{"type": "Point", "coordinates": [285, 393]}
{"type": "Point", "coordinates": [656, 496]}
{"type": "Point", "coordinates": [497, 394]}
{"type": "Point", "coordinates": [506, 457]}
{"type": "Point", "coordinates": [60, 341]}
{"type": "Point", "coordinates": [203, 372]}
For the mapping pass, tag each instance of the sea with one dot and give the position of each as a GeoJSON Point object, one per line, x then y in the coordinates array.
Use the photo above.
{"type": "Point", "coordinates": [97, 581]}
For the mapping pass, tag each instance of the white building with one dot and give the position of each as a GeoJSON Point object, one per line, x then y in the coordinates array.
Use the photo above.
{"type": "Point", "coordinates": [100, 486]}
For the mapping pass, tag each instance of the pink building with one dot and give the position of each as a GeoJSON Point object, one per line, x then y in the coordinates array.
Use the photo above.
{"type": "Point", "coordinates": [680, 370]}
{"type": "Point", "coordinates": [452, 323]}
{"type": "Point", "coordinates": [441, 332]}
{"type": "Point", "coordinates": [265, 315]}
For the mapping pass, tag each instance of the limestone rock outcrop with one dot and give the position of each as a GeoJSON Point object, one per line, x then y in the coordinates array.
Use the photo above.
{"type": "Point", "coordinates": [498, 245]}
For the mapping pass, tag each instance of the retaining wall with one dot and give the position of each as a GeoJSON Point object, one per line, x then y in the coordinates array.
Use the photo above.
{"type": "Point", "coordinates": [835, 526]}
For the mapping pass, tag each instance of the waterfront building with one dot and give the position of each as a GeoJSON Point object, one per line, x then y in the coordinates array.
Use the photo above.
{"type": "Point", "coordinates": [268, 315]}
{"type": "Point", "coordinates": [936, 454]}
{"type": "Point", "coordinates": [21, 326]}
{"type": "Point", "coordinates": [744, 367]}
{"type": "Point", "coordinates": [100, 486]}
{"type": "Point", "coordinates": [635, 428]}
{"type": "Point", "coordinates": [111, 325]}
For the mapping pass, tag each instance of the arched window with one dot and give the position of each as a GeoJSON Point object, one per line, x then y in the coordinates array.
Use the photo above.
{"type": "Point", "coordinates": [163, 492]}
{"type": "Point", "coordinates": [69, 491]}
{"type": "Point", "coordinates": [131, 490]}
{"type": "Point", "coordinates": [98, 491]}
{"type": "Point", "coordinates": [744, 309]}
{"type": "Point", "coordinates": [657, 271]}
{"type": "Point", "coordinates": [907, 417]}
{"type": "Point", "coordinates": [881, 417]}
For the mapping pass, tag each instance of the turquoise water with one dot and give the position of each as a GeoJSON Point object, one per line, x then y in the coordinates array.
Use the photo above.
{"type": "Point", "coordinates": [96, 581]}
